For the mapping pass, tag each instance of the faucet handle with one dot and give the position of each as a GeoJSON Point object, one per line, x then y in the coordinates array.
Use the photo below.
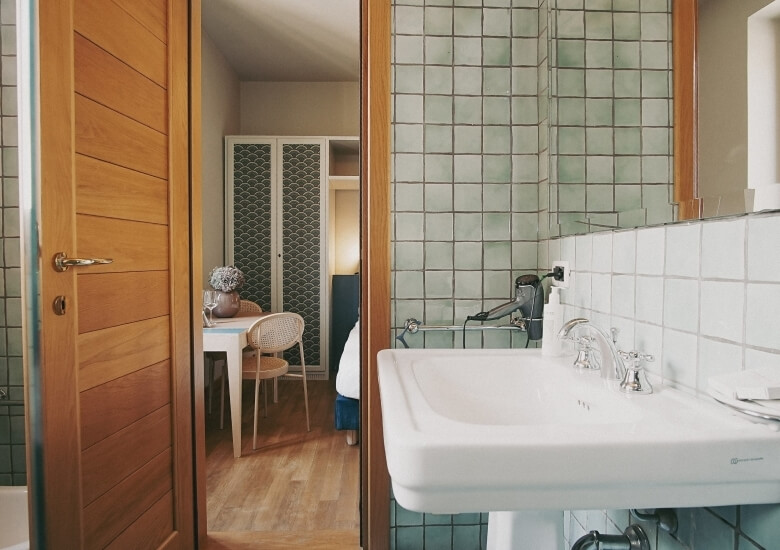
{"type": "Point", "coordinates": [635, 379]}
{"type": "Point", "coordinates": [636, 358]}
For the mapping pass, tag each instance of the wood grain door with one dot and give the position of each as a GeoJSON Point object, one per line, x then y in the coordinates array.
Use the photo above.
{"type": "Point", "coordinates": [115, 374]}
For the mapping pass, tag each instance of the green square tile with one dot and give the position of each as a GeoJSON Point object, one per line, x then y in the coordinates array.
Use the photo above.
{"type": "Point", "coordinates": [599, 198]}
{"type": "Point", "coordinates": [468, 110]}
{"type": "Point", "coordinates": [408, 256]}
{"type": "Point", "coordinates": [655, 84]}
{"type": "Point", "coordinates": [628, 141]}
{"type": "Point", "coordinates": [655, 26]}
{"type": "Point", "coordinates": [656, 141]}
{"type": "Point", "coordinates": [408, 108]}
{"type": "Point", "coordinates": [468, 284]}
{"type": "Point", "coordinates": [468, 168]}
{"type": "Point", "coordinates": [655, 55]}
{"type": "Point", "coordinates": [438, 80]}
{"type": "Point", "coordinates": [468, 80]}
{"type": "Point", "coordinates": [438, 109]}
{"type": "Point", "coordinates": [625, 26]}
{"type": "Point", "coordinates": [467, 2]}
{"type": "Point", "coordinates": [525, 23]}
{"type": "Point", "coordinates": [524, 139]}
{"type": "Point", "coordinates": [524, 111]}
{"type": "Point", "coordinates": [625, 5]}
{"type": "Point", "coordinates": [571, 197]}
{"type": "Point", "coordinates": [626, 55]}
{"type": "Point", "coordinates": [408, 79]}
{"type": "Point", "coordinates": [468, 22]}
{"type": "Point", "coordinates": [409, 538]}
{"type": "Point", "coordinates": [571, 169]}
{"type": "Point", "coordinates": [408, 284]}
{"type": "Point", "coordinates": [656, 5]}
{"type": "Point", "coordinates": [438, 21]}
{"type": "Point", "coordinates": [628, 197]}
{"type": "Point", "coordinates": [598, 5]}
{"type": "Point", "coordinates": [438, 255]}
{"type": "Point", "coordinates": [467, 256]}
{"type": "Point", "coordinates": [408, 20]}
{"type": "Point", "coordinates": [496, 81]}
{"type": "Point", "coordinates": [468, 139]}
{"type": "Point", "coordinates": [598, 54]}
{"type": "Point", "coordinates": [495, 110]}
{"type": "Point", "coordinates": [570, 24]}
{"type": "Point", "coordinates": [525, 226]}
{"type": "Point", "coordinates": [408, 138]}
{"type": "Point", "coordinates": [498, 255]}
{"type": "Point", "coordinates": [496, 51]}
{"type": "Point", "coordinates": [438, 168]}
{"type": "Point", "coordinates": [497, 168]}
{"type": "Point", "coordinates": [497, 197]}
{"type": "Point", "coordinates": [465, 537]}
{"type": "Point", "coordinates": [599, 141]}
{"type": "Point", "coordinates": [408, 49]}
{"type": "Point", "coordinates": [628, 112]}
{"type": "Point", "coordinates": [598, 83]}
{"type": "Point", "coordinates": [655, 169]}
{"type": "Point", "coordinates": [496, 226]}
{"type": "Point", "coordinates": [628, 170]}
{"type": "Point", "coordinates": [571, 140]}
{"type": "Point", "coordinates": [437, 519]}
{"type": "Point", "coordinates": [524, 52]}
{"type": "Point", "coordinates": [525, 168]}
{"type": "Point", "coordinates": [438, 139]}
{"type": "Point", "coordinates": [598, 25]}
{"type": "Point", "coordinates": [760, 522]}
{"type": "Point", "coordinates": [438, 197]}
{"type": "Point", "coordinates": [438, 226]}
{"type": "Point", "coordinates": [571, 82]}
{"type": "Point", "coordinates": [468, 51]}
{"type": "Point", "coordinates": [628, 83]}
{"type": "Point", "coordinates": [524, 80]}
{"type": "Point", "coordinates": [468, 227]}
{"type": "Point", "coordinates": [408, 167]}
{"type": "Point", "coordinates": [468, 197]}
{"type": "Point", "coordinates": [525, 197]}
{"type": "Point", "coordinates": [496, 22]}
{"type": "Point", "coordinates": [497, 3]}
{"type": "Point", "coordinates": [438, 50]}
{"type": "Point", "coordinates": [598, 112]}
{"type": "Point", "coordinates": [571, 53]}
{"type": "Point", "coordinates": [496, 139]}
{"type": "Point", "coordinates": [655, 112]}
{"type": "Point", "coordinates": [599, 169]}
{"type": "Point", "coordinates": [571, 111]}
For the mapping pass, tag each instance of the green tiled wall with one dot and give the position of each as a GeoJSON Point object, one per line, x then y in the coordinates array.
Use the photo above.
{"type": "Point", "coordinates": [12, 437]}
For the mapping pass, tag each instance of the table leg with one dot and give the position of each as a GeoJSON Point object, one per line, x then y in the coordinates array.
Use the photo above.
{"type": "Point", "coordinates": [234, 382]}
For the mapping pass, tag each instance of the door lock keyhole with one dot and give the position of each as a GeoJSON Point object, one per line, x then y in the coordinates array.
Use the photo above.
{"type": "Point", "coordinates": [59, 305]}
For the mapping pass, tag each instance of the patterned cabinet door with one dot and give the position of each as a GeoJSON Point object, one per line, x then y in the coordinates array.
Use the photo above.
{"type": "Point", "coordinates": [302, 175]}
{"type": "Point", "coordinates": [252, 215]}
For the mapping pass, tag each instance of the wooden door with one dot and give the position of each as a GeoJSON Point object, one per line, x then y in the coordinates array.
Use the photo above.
{"type": "Point", "coordinates": [116, 450]}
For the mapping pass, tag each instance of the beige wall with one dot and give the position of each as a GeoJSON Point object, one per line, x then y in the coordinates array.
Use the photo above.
{"type": "Point", "coordinates": [300, 108]}
{"type": "Point", "coordinates": [221, 117]}
{"type": "Point", "coordinates": [347, 232]}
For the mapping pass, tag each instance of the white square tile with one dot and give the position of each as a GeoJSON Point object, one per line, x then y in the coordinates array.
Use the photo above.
{"type": "Point", "coordinates": [623, 295]}
{"type": "Point", "coordinates": [602, 253]}
{"type": "Point", "coordinates": [681, 304]}
{"type": "Point", "coordinates": [582, 294]}
{"type": "Point", "coordinates": [650, 299]}
{"type": "Point", "coordinates": [682, 250]}
{"type": "Point", "coordinates": [755, 359]}
{"type": "Point", "coordinates": [761, 325]}
{"type": "Point", "coordinates": [601, 287]}
{"type": "Point", "coordinates": [650, 251]}
{"type": "Point", "coordinates": [717, 358]}
{"type": "Point", "coordinates": [723, 249]}
{"type": "Point", "coordinates": [626, 332]}
{"type": "Point", "coordinates": [722, 309]}
{"type": "Point", "coordinates": [764, 249]}
{"type": "Point", "coordinates": [647, 339]}
{"type": "Point", "coordinates": [584, 251]}
{"type": "Point", "coordinates": [679, 358]}
{"type": "Point", "coordinates": [568, 251]}
{"type": "Point", "coordinates": [624, 252]}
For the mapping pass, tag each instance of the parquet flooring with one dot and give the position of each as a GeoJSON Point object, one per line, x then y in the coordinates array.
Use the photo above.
{"type": "Point", "coordinates": [297, 486]}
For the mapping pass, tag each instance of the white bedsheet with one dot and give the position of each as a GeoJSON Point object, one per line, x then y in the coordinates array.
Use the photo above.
{"type": "Point", "coordinates": [348, 376]}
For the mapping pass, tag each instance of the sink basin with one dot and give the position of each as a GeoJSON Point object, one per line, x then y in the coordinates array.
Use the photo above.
{"type": "Point", "coordinates": [508, 430]}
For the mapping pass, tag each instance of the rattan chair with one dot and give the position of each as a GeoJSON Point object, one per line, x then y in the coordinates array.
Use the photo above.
{"type": "Point", "coordinates": [270, 335]}
{"type": "Point", "coordinates": [248, 306]}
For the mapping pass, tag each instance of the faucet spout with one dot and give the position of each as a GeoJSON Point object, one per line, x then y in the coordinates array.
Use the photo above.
{"type": "Point", "coordinates": [612, 367]}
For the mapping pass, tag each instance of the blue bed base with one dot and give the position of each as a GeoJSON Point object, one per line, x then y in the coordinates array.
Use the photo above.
{"type": "Point", "coordinates": [347, 413]}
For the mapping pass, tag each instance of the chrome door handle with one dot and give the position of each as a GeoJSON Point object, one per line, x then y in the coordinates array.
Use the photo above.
{"type": "Point", "coordinates": [62, 262]}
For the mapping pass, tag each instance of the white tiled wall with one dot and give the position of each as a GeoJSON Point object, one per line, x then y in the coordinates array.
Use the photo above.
{"type": "Point", "coordinates": [702, 297]}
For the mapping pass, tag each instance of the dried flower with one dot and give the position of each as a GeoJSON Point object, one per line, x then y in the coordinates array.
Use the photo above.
{"type": "Point", "coordinates": [227, 278]}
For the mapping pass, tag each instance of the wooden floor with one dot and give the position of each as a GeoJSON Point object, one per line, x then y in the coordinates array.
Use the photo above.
{"type": "Point", "coordinates": [297, 489]}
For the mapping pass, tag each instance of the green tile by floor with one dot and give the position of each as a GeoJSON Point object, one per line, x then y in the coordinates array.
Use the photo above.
{"type": "Point", "coordinates": [599, 198]}
{"type": "Point", "coordinates": [571, 197]}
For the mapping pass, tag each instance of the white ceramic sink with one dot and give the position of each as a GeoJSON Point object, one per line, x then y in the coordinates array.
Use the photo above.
{"type": "Point", "coordinates": [491, 430]}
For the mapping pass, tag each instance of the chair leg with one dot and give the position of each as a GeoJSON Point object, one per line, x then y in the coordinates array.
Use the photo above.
{"type": "Point", "coordinates": [222, 400]}
{"type": "Point", "coordinates": [305, 390]}
{"type": "Point", "coordinates": [257, 396]}
{"type": "Point", "coordinates": [265, 398]}
{"type": "Point", "coordinates": [211, 379]}
{"type": "Point", "coordinates": [276, 389]}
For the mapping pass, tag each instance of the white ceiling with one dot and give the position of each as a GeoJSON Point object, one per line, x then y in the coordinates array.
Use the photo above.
{"type": "Point", "coordinates": [287, 40]}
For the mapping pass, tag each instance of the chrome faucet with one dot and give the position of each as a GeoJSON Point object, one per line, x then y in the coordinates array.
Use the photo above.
{"type": "Point", "coordinates": [612, 367]}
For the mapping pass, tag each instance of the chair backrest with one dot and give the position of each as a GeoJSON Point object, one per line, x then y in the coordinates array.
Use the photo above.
{"type": "Point", "coordinates": [248, 306]}
{"type": "Point", "coordinates": [276, 332]}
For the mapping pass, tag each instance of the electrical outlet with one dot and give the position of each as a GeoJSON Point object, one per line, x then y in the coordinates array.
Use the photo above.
{"type": "Point", "coordinates": [560, 269]}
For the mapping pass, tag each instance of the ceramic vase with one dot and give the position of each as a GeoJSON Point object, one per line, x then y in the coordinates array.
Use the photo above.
{"type": "Point", "coordinates": [228, 304]}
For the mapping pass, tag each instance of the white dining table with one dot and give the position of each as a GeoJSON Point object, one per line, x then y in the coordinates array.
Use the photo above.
{"type": "Point", "coordinates": [229, 336]}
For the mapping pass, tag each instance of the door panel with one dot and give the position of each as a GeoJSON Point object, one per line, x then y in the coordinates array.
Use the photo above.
{"type": "Point", "coordinates": [115, 387]}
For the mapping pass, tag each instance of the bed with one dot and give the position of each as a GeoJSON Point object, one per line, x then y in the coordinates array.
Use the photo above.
{"type": "Point", "coordinates": [347, 409]}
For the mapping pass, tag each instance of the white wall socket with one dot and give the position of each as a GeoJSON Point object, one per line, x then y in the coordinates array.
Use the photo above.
{"type": "Point", "coordinates": [565, 265]}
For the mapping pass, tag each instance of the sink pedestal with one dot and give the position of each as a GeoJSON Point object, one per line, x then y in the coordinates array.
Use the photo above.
{"type": "Point", "coordinates": [527, 530]}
